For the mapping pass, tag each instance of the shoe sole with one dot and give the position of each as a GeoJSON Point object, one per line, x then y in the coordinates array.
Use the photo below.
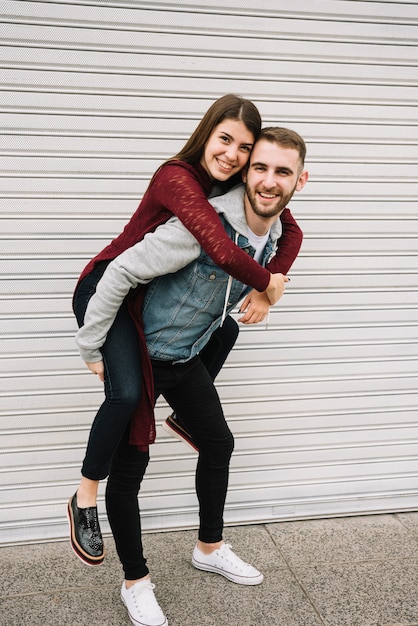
{"type": "Point", "coordinates": [177, 433]}
{"type": "Point", "coordinates": [232, 577]}
{"type": "Point", "coordinates": [78, 551]}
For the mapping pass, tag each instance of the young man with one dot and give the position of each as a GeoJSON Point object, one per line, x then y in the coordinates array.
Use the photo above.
{"type": "Point", "coordinates": [275, 172]}
{"type": "Point", "coordinates": [180, 312]}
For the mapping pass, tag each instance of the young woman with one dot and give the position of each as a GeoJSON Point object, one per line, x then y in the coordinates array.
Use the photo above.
{"type": "Point", "coordinates": [217, 151]}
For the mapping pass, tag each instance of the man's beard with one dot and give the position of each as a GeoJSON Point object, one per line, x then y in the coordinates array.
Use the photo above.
{"type": "Point", "coordinates": [272, 211]}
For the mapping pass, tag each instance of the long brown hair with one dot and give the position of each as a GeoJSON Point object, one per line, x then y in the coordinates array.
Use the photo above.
{"type": "Point", "coordinates": [231, 107]}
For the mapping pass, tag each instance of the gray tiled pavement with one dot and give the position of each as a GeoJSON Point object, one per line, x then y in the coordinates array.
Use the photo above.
{"type": "Point", "coordinates": [358, 571]}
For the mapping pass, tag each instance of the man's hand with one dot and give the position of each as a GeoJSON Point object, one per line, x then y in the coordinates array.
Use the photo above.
{"type": "Point", "coordinates": [97, 368]}
{"type": "Point", "coordinates": [276, 287]}
{"type": "Point", "coordinates": [256, 307]}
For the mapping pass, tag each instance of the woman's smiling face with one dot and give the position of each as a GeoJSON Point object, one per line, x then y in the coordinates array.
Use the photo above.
{"type": "Point", "coordinates": [227, 149]}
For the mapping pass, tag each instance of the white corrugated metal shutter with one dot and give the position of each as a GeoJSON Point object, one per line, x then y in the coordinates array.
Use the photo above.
{"type": "Point", "coordinates": [323, 404]}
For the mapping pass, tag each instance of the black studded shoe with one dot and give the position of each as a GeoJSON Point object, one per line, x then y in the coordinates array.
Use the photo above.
{"type": "Point", "coordinates": [86, 538]}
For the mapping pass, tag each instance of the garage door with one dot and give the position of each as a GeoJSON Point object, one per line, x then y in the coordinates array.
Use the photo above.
{"type": "Point", "coordinates": [323, 404]}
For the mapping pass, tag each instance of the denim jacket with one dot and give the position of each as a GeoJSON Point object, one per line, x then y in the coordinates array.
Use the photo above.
{"type": "Point", "coordinates": [182, 310]}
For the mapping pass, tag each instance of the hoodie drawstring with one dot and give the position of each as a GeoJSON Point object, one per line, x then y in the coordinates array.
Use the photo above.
{"type": "Point", "coordinates": [228, 288]}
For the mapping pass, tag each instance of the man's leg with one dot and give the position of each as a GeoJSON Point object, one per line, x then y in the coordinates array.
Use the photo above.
{"type": "Point", "coordinates": [213, 356]}
{"type": "Point", "coordinates": [191, 391]}
{"type": "Point", "coordinates": [216, 351]}
{"type": "Point", "coordinates": [126, 473]}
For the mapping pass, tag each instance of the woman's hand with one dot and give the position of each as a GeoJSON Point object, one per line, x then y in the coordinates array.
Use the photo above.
{"type": "Point", "coordinates": [276, 287]}
{"type": "Point", "coordinates": [97, 368]}
{"type": "Point", "coordinates": [256, 307]}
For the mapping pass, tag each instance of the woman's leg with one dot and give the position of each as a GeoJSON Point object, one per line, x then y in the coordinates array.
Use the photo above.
{"type": "Point", "coordinates": [121, 356]}
{"type": "Point", "coordinates": [122, 385]}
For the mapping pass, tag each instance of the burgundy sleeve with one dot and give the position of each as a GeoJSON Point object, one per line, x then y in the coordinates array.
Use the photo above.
{"type": "Point", "coordinates": [288, 245]}
{"type": "Point", "coordinates": [183, 195]}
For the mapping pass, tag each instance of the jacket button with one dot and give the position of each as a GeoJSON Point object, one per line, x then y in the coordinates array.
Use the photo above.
{"type": "Point", "coordinates": [212, 276]}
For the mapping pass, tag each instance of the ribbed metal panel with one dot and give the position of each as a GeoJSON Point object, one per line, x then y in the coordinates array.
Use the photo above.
{"type": "Point", "coordinates": [323, 403]}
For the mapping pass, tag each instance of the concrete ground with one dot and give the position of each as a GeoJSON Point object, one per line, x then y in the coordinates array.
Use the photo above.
{"type": "Point", "coordinates": [358, 571]}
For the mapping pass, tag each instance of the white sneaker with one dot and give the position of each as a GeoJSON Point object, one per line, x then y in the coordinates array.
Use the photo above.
{"type": "Point", "coordinates": [142, 605]}
{"type": "Point", "coordinates": [225, 562]}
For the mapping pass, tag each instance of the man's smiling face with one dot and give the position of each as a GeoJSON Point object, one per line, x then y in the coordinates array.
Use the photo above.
{"type": "Point", "coordinates": [274, 174]}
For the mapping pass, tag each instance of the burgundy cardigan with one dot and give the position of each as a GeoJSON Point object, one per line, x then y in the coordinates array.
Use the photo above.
{"type": "Point", "coordinates": [181, 189]}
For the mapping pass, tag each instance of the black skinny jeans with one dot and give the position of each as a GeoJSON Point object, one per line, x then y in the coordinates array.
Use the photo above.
{"type": "Point", "coordinates": [189, 389]}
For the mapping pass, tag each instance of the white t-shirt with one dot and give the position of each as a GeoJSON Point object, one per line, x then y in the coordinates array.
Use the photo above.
{"type": "Point", "coordinates": [258, 243]}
